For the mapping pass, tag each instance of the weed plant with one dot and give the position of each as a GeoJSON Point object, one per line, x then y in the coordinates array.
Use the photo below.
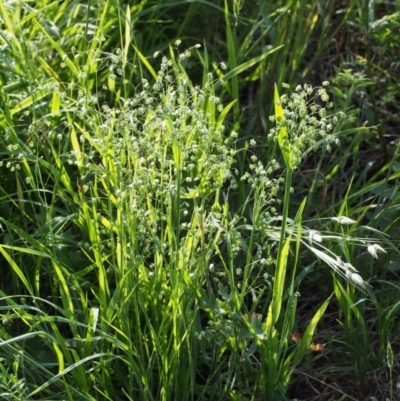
{"type": "Point", "coordinates": [149, 252]}
{"type": "Point", "coordinates": [148, 219]}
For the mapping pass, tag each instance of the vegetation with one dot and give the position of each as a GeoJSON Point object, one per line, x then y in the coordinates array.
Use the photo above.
{"type": "Point", "coordinates": [199, 200]}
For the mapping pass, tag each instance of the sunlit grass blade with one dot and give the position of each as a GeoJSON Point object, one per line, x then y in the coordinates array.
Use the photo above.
{"type": "Point", "coordinates": [61, 52]}
{"type": "Point", "coordinates": [283, 138]}
{"type": "Point", "coordinates": [145, 62]}
{"type": "Point", "coordinates": [30, 100]}
{"type": "Point", "coordinates": [246, 65]}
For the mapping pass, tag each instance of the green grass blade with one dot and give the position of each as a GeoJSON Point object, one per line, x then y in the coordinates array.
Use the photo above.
{"type": "Point", "coordinates": [30, 100]}
{"type": "Point", "coordinates": [61, 52]}
{"type": "Point", "coordinates": [248, 64]}
{"type": "Point", "coordinates": [283, 138]}
{"type": "Point", "coordinates": [16, 269]}
{"type": "Point", "coordinates": [309, 332]}
{"type": "Point", "coordinates": [144, 60]}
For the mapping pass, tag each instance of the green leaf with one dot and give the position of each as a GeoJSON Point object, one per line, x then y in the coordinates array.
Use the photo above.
{"type": "Point", "coordinates": [16, 269]}
{"type": "Point", "coordinates": [127, 36]}
{"type": "Point", "coordinates": [60, 51]}
{"type": "Point", "coordinates": [143, 59]}
{"type": "Point", "coordinates": [283, 138]}
{"type": "Point", "coordinates": [277, 295]}
{"type": "Point", "coordinates": [309, 332]}
{"type": "Point", "coordinates": [245, 66]}
{"type": "Point", "coordinates": [30, 100]}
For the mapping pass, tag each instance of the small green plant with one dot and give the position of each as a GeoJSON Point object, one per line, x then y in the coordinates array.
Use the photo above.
{"type": "Point", "coordinates": [12, 388]}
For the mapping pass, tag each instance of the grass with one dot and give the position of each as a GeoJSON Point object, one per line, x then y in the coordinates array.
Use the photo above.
{"type": "Point", "coordinates": [173, 226]}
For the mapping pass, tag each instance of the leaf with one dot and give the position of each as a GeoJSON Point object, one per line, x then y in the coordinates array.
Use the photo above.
{"type": "Point", "coordinates": [245, 66]}
{"type": "Point", "coordinates": [145, 62]}
{"type": "Point", "coordinates": [309, 332]}
{"type": "Point", "coordinates": [60, 51]}
{"type": "Point", "coordinates": [277, 295]}
{"type": "Point", "coordinates": [30, 100]}
{"type": "Point", "coordinates": [127, 36]}
{"type": "Point", "coordinates": [16, 269]}
{"type": "Point", "coordinates": [283, 138]}
{"type": "Point", "coordinates": [224, 292]}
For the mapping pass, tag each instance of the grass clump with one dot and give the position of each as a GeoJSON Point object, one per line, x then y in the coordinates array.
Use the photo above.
{"type": "Point", "coordinates": [150, 248]}
{"type": "Point", "coordinates": [168, 278]}
{"type": "Point", "coordinates": [142, 184]}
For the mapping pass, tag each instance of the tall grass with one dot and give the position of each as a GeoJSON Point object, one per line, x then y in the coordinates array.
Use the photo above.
{"type": "Point", "coordinates": [149, 252]}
